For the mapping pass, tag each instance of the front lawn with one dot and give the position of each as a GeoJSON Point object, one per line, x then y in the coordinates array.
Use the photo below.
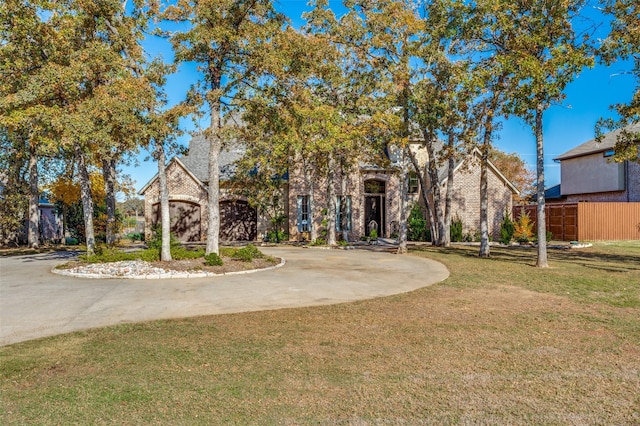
{"type": "Point", "coordinates": [499, 342]}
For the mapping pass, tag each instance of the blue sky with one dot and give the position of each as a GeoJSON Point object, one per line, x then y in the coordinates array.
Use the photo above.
{"type": "Point", "coordinates": [567, 125]}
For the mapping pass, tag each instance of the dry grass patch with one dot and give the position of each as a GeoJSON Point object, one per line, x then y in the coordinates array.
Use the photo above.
{"type": "Point", "coordinates": [499, 342]}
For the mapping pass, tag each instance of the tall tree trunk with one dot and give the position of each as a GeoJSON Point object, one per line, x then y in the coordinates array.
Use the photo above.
{"type": "Point", "coordinates": [87, 200]}
{"type": "Point", "coordinates": [65, 216]}
{"type": "Point", "coordinates": [215, 146]}
{"type": "Point", "coordinates": [432, 169]}
{"type": "Point", "coordinates": [33, 231]}
{"type": "Point", "coordinates": [424, 192]}
{"type": "Point", "coordinates": [331, 198]}
{"type": "Point", "coordinates": [308, 175]}
{"type": "Point", "coordinates": [484, 193]}
{"type": "Point", "coordinates": [404, 201]}
{"type": "Point", "coordinates": [109, 174]}
{"type": "Point", "coordinates": [165, 248]}
{"type": "Point", "coordinates": [542, 229]}
{"type": "Point", "coordinates": [446, 237]}
{"type": "Point", "coordinates": [344, 212]}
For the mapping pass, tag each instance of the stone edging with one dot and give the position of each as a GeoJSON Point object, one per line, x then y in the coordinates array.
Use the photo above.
{"type": "Point", "coordinates": [162, 276]}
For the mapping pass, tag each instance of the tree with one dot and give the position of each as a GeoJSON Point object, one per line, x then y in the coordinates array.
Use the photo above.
{"type": "Point", "coordinates": [229, 40]}
{"type": "Point", "coordinates": [545, 54]}
{"type": "Point", "coordinates": [73, 85]}
{"type": "Point", "coordinates": [13, 188]}
{"type": "Point", "coordinates": [441, 101]}
{"type": "Point", "coordinates": [516, 170]}
{"type": "Point", "coordinates": [27, 42]}
{"type": "Point", "coordinates": [623, 42]}
{"type": "Point", "coordinates": [66, 191]}
{"type": "Point", "coordinates": [381, 34]}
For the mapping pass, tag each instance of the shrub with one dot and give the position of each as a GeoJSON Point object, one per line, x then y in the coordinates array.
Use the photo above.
{"type": "Point", "coordinates": [456, 229]}
{"type": "Point", "coordinates": [276, 236]}
{"type": "Point", "coordinates": [472, 236]}
{"type": "Point", "coordinates": [507, 229]}
{"type": "Point", "coordinates": [137, 236]}
{"type": "Point", "coordinates": [318, 242]}
{"type": "Point", "coordinates": [107, 255]}
{"type": "Point", "coordinates": [180, 253]}
{"type": "Point", "coordinates": [156, 239]}
{"type": "Point", "coordinates": [148, 255]}
{"type": "Point", "coordinates": [248, 253]}
{"type": "Point", "coordinates": [373, 234]}
{"type": "Point", "coordinates": [70, 241]}
{"type": "Point", "coordinates": [523, 231]}
{"type": "Point", "coordinates": [228, 251]}
{"type": "Point", "coordinates": [212, 259]}
{"type": "Point", "coordinates": [417, 229]}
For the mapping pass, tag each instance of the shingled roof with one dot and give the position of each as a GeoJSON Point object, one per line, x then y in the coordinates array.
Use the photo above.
{"type": "Point", "coordinates": [593, 146]}
{"type": "Point", "coordinates": [197, 158]}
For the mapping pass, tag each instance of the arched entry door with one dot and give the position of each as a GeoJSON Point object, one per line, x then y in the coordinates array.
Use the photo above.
{"type": "Point", "coordinates": [374, 206]}
{"type": "Point", "coordinates": [185, 219]}
{"type": "Point", "coordinates": [238, 221]}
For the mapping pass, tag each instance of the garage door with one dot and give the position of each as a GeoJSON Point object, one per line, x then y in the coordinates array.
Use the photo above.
{"type": "Point", "coordinates": [238, 221]}
{"type": "Point", "coordinates": [185, 219]}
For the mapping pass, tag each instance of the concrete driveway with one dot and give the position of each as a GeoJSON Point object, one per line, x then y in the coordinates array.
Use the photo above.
{"type": "Point", "coordinates": [36, 303]}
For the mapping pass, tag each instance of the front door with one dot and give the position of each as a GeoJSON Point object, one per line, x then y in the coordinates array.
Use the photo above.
{"type": "Point", "coordinates": [374, 214]}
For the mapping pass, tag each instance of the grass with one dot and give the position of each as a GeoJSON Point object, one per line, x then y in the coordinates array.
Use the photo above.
{"type": "Point", "coordinates": [499, 342]}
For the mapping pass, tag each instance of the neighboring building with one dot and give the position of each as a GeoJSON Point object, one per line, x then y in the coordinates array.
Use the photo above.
{"type": "Point", "coordinates": [587, 173]}
{"type": "Point", "coordinates": [597, 199]}
{"type": "Point", "coordinates": [370, 198]}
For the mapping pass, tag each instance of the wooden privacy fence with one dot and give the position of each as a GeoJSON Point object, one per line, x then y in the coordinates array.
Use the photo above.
{"type": "Point", "coordinates": [589, 221]}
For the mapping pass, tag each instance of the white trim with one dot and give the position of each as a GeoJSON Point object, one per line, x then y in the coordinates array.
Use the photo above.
{"type": "Point", "coordinates": [493, 168]}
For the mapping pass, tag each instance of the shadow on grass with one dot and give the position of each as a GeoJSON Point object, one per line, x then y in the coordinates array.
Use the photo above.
{"type": "Point", "coordinates": [595, 258]}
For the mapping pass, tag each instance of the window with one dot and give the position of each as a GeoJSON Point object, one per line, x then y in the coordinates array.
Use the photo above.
{"type": "Point", "coordinates": [374, 187]}
{"type": "Point", "coordinates": [343, 212]}
{"type": "Point", "coordinates": [304, 223]}
{"type": "Point", "coordinates": [413, 183]}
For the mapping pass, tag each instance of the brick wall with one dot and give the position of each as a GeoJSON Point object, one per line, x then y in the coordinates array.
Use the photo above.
{"type": "Point", "coordinates": [465, 199]}
{"type": "Point", "coordinates": [181, 187]}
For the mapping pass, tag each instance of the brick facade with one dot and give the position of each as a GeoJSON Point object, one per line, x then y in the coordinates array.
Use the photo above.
{"type": "Point", "coordinates": [383, 207]}
{"type": "Point", "coordinates": [182, 186]}
{"type": "Point", "coordinates": [465, 199]}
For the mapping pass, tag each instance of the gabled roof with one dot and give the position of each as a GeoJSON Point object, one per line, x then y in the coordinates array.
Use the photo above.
{"type": "Point", "coordinates": [593, 146]}
{"type": "Point", "coordinates": [443, 173]}
{"type": "Point", "coordinates": [197, 158]}
{"type": "Point", "coordinates": [443, 169]}
{"type": "Point", "coordinates": [181, 164]}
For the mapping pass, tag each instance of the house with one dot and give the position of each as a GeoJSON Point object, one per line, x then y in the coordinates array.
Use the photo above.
{"type": "Point", "coordinates": [587, 173]}
{"type": "Point", "coordinates": [187, 180]}
{"type": "Point", "coordinates": [49, 225]}
{"type": "Point", "coordinates": [372, 197]}
{"type": "Point", "coordinates": [369, 196]}
{"type": "Point", "coordinates": [597, 199]}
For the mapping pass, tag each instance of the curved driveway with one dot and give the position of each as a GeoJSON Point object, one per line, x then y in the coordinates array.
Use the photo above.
{"type": "Point", "coordinates": [36, 303]}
